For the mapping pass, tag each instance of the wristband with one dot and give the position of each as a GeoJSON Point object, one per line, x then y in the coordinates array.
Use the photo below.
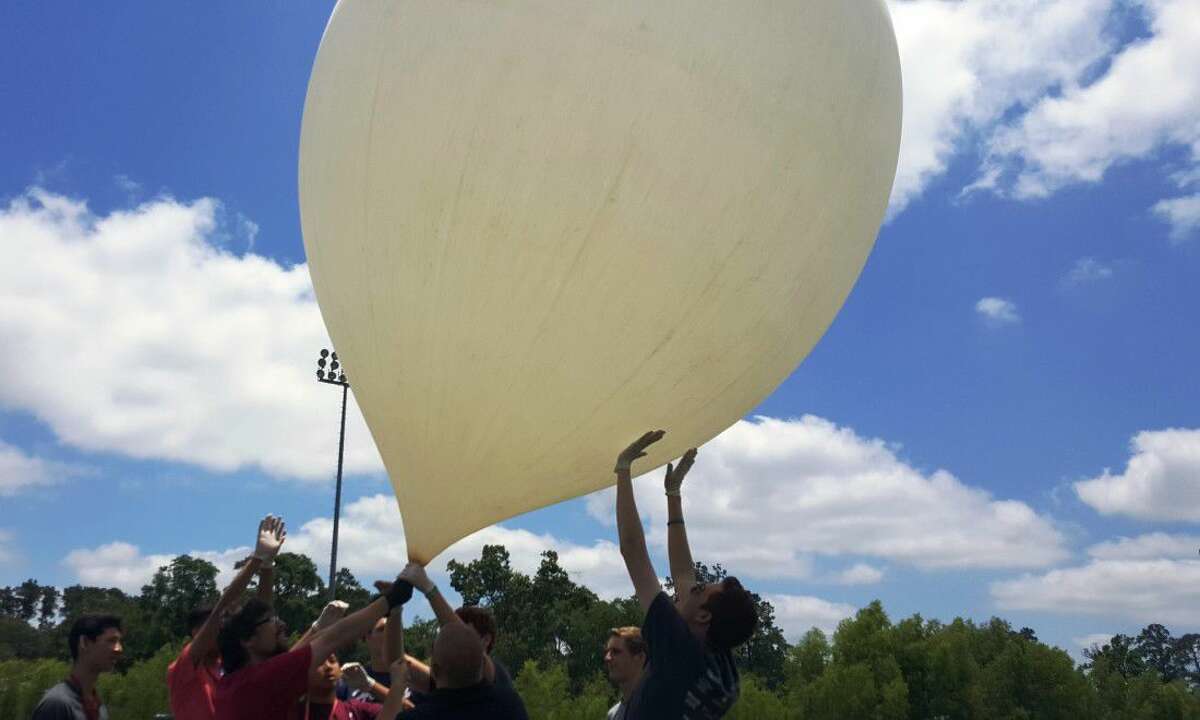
{"type": "Point", "coordinates": [400, 593]}
{"type": "Point", "coordinates": [673, 494]}
{"type": "Point", "coordinates": [433, 590]}
{"type": "Point", "coordinates": [674, 522]}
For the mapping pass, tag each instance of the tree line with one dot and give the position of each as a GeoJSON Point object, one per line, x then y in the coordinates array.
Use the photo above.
{"type": "Point", "coordinates": [552, 630]}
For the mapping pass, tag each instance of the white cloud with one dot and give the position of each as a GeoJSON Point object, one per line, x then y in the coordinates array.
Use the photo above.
{"type": "Point", "coordinates": [117, 564]}
{"type": "Point", "coordinates": [371, 543]}
{"type": "Point", "coordinates": [797, 614]}
{"type": "Point", "coordinates": [1146, 100]}
{"type": "Point", "coordinates": [1159, 482]}
{"type": "Point", "coordinates": [1182, 213]}
{"type": "Point", "coordinates": [8, 553]}
{"type": "Point", "coordinates": [859, 574]}
{"type": "Point", "coordinates": [161, 344]}
{"type": "Point", "coordinates": [1087, 270]}
{"type": "Point", "coordinates": [1162, 591]}
{"type": "Point", "coordinates": [123, 566]}
{"type": "Point", "coordinates": [967, 64]}
{"type": "Point", "coordinates": [998, 311]}
{"type": "Point", "coordinates": [766, 494]}
{"type": "Point", "coordinates": [1086, 642]}
{"type": "Point", "coordinates": [1148, 547]}
{"type": "Point", "coordinates": [19, 472]}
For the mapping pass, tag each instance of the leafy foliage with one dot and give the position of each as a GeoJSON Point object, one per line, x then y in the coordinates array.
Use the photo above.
{"type": "Point", "coordinates": [552, 630]}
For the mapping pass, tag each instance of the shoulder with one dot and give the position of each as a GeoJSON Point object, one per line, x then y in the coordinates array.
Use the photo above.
{"type": "Point", "coordinates": [57, 702]}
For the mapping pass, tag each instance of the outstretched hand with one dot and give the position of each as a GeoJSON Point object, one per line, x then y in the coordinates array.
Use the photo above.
{"type": "Point", "coordinates": [396, 592]}
{"type": "Point", "coordinates": [676, 473]}
{"type": "Point", "coordinates": [333, 611]}
{"type": "Point", "coordinates": [271, 534]}
{"type": "Point", "coordinates": [356, 676]}
{"type": "Point", "coordinates": [637, 450]}
{"type": "Point", "coordinates": [415, 574]}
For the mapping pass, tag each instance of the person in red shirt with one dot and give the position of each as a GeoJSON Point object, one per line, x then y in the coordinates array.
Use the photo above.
{"type": "Point", "coordinates": [264, 680]}
{"type": "Point", "coordinates": [192, 677]}
{"type": "Point", "coordinates": [321, 701]}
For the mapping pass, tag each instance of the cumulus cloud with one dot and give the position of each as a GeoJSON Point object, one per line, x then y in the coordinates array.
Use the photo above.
{"type": "Point", "coordinates": [1143, 591]}
{"type": "Point", "coordinates": [797, 614]}
{"type": "Point", "coordinates": [1087, 642]}
{"type": "Point", "coordinates": [858, 574]}
{"type": "Point", "coordinates": [19, 471]}
{"type": "Point", "coordinates": [143, 336]}
{"type": "Point", "coordinates": [371, 544]}
{"type": "Point", "coordinates": [1148, 547]}
{"type": "Point", "coordinates": [1145, 101]}
{"type": "Point", "coordinates": [1159, 482]}
{"type": "Point", "coordinates": [8, 553]}
{"type": "Point", "coordinates": [997, 311]}
{"type": "Point", "coordinates": [123, 566]}
{"type": "Point", "coordinates": [1087, 270]}
{"type": "Point", "coordinates": [967, 66]}
{"type": "Point", "coordinates": [1182, 214]}
{"type": "Point", "coordinates": [766, 495]}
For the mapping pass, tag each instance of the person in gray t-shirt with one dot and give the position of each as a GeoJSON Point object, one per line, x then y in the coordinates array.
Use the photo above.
{"type": "Point", "coordinates": [624, 660]}
{"type": "Point", "coordinates": [95, 642]}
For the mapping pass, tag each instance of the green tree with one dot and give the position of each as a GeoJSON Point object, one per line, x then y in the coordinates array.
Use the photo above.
{"type": "Point", "coordinates": [349, 590]}
{"type": "Point", "coordinates": [176, 589]}
{"type": "Point", "coordinates": [299, 592]}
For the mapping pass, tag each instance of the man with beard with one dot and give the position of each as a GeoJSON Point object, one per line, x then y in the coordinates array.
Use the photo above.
{"type": "Point", "coordinates": [95, 642]}
{"type": "Point", "coordinates": [624, 660]}
{"type": "Point", "coordinates": [263, 680]}
{"type": "Point", "coordinates": [192, 677]}
{"type": "Point", "coordinates": [321, 701]}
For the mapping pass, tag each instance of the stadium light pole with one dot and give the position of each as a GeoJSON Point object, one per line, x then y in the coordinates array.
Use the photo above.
{"type": "Point", "coordinates": [330, 372]}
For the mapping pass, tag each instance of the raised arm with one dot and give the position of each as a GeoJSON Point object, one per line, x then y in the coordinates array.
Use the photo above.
{"type": "Point", "coordinates": [683, 569]}
{"type": "Point", "coordinates": [358, 623]}
{"type": "Point", "coordinates": [271, 534]}
{"type": "Point", "coordinates": [415, 574]}
{"type": "Point", "coordinates": [629, 523]}
{"type": "Point", "coordinates": [266, 583]}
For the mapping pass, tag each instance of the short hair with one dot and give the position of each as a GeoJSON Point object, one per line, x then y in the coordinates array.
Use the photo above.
{"type": "Point", "coordinates": [632, 636]}
{"type": "Point", "coordinates": [90, 627]}
{"type": "Point", "coordinates": [197, 617]}
{"type": "Point", "coordinates": [458, 656]}
{"type": "Point", "coordinates": [734, 615]}
{"type": "Point", "coordinates": [238, 628]}
{"type": "Point", "coordinates": [480, 618]}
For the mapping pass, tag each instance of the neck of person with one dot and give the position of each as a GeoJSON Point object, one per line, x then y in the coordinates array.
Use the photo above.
{"type": "Point", "coordinates": [628, 687]}
{"type": "Point", "coordinates": [85, 676]}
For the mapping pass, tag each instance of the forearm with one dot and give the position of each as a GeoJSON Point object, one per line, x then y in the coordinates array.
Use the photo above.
{"type": "Point", "coordinates": [393, 639]}
{"type": "Point", "coordinates": [348, 629]}
{"type": "Point", "coordinates": [266, 584]}
{"type": "Point", "coordinates": [393, 701]}
{"type": "Point", "coordinates": [629, 524]}
{"type": "Point", "coordinates": [418, 675]}
{"type": "Point", "coordinates": [679, 553]}
{"type": "Point", "coordinates": [441, 607]}
{"type": "Point", "coordinates": [205, 639]}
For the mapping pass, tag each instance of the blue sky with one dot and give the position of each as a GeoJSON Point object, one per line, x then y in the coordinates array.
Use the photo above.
{"type": "Point", "coordinates": [1001, 420]}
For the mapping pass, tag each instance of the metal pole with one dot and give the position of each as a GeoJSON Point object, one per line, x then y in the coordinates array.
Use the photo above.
{"type": "Point", "coordinates": [337, 499]}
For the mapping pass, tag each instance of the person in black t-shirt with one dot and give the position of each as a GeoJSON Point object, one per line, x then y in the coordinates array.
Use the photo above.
{"type": "Point", "coordinates": [690, 673]}
{"type": "Point", "coordinates": [462, 692]}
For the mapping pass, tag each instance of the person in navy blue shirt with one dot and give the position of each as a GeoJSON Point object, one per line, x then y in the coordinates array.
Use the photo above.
{"type": "Point", "coordinates": [689, 673]}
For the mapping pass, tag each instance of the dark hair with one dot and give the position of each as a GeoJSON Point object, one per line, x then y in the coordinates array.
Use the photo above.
{"type": "Point", "coordinates": [238, 628]}
{"type": "Point", "coordinates": [734, 615]}
{"type": "Point", "coordinates": [197, 617]}
{"type": "Point", "coordinates": [632, 636]}
{"type": "Point", "coordinates": [90, 627]}
{"type": "Point", "coordinates": [482, 620]}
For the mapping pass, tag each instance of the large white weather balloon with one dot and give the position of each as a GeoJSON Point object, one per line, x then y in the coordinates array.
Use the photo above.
{"type": "Point", "coordinates": [537, 228]}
